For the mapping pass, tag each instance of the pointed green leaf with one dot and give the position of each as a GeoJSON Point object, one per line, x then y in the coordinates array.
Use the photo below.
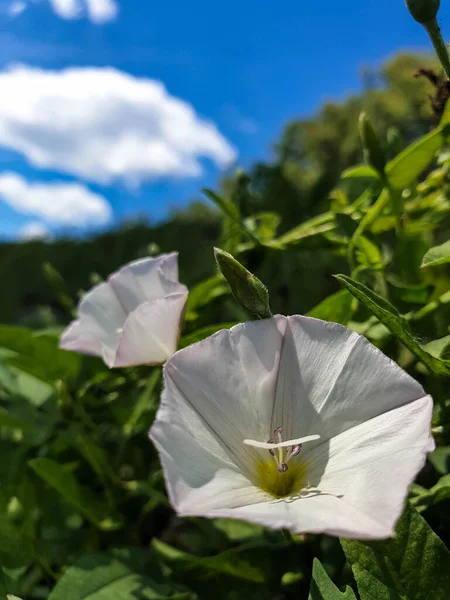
{"type": "Point", "coordinates": [414, 565]}
{"type": "Point", "coordinates": [370, 254]}
{"type": "Point", "coordinates": [437, 347]}
{"type": "Point", "coordinates": [360, 172]}
{"type": "Point", "coordinates": [393, 320]}
{"type": "Point", "coordinates": [230, 209]}
{"type": "Point", "coordinates": [147, 401]}
{"type": "Point", "coordinates": [438, 255]}
{"type": "Point", "coordinates": [322, 588]}
{"type": "Point", "coordinates": [406, 167]}
{"type": "Point", "coordinates": [436, 494]}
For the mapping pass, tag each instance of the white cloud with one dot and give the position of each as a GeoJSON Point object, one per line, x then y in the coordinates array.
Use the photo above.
{"type": "Point", "coordinates": [102, 11]}
{"type": "Point", "coordinates": [98, 11]}
{"type": "Point", "coordinates": [103, 125]}
{"type": "Point", "coordinates": [67, 9]}
{"type": "Point", "coordinates": [56, 202]}
{"type": "Point", "coordinates": [16, 8]}
{"type": "Point", "coordinates": [33, 231]}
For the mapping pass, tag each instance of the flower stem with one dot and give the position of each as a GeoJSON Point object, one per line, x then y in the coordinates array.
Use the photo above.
{"type": "Point", "coordinates": [440, 47]}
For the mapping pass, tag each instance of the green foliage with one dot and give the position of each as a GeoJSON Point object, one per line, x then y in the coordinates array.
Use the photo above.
{"type": "Point", "coordinates": [123, 575]}
{"type": "Point", "coordinates": [413, 564]}
{"type": "Point", "coordinates": [391, 318]}
{"type": "Point", "coordinates": [322, 588]}
{"type": "Point", "coordinates": [438, 255]}
{"type": "Point", "coordinates": [83, 507]}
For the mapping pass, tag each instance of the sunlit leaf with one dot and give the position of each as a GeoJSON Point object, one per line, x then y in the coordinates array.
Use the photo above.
{"type": "Point", "coordinates": [415, 565]}
{"type": "Point", "coordinates": [360, 172]}
{"type": "Point", "coordinates": [322, 588]}
{"type": "Point", "coordinates": [438, 255]}
{"type": "Point", "coordinates": [439, 492]}
{"type": "Point", "coordinates": [127, 575]}
{"type": "Point", "coordinates": [406, 167]}
{"type": "Point", "coordinates": [391, 318]}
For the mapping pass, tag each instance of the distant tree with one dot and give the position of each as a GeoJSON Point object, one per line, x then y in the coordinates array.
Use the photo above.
{"type": "Point", "coordinates": [313, 152]}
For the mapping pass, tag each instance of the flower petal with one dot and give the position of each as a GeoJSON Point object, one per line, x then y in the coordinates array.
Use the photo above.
{"type": "Point", "coordinates": [332, 379]}
{"type": "Point", "coordinates": [230, 380]}
{"type": "Point", "coordinates": [150, 334]}
{"type": "Point", "coordinates": [97, 330]}
{"type": "Point", "coordinates": [314, 513]}
{"type": "Point", "coordinates": [146, 279]}
{"type": "Point", "coordinates": [370, 466]}
{"type": "Point", "coordinates": [197, 467]}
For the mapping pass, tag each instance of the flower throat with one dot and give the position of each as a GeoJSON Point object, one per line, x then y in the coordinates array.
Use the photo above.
{"type": "Point", "coordinates": [278, 474]}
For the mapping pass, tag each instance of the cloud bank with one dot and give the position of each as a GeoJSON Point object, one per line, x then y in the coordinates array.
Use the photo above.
{"type": "Point", "coordinates": [103, 125]}
{"type": "Point", "coordinates": [61, 203]}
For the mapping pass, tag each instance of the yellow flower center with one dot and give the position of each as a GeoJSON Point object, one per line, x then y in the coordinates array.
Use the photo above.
{"type": "Point", "coordinates": [274, 475]}
{"type": "Point", "coordinates": [281, 485]}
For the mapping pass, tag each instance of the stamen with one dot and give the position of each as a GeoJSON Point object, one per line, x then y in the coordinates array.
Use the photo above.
{"type": "Point", "coordinates": [293, 451]}
{"type": "Point", "coordinates": [286, 450]}
{"type": "Point", "coordinates": [279, 433]}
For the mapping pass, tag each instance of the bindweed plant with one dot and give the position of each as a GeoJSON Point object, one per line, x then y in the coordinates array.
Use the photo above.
{"type": "Point", "coordinates": [158, 448]}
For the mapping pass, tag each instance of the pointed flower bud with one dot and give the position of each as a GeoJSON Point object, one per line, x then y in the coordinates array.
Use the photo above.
{"type": "Point", "coordinates": [248, 290]}
{"type": "Point", "coordinates": [423, 11]}
{"type": "Point", "coordinates": [373, 152]}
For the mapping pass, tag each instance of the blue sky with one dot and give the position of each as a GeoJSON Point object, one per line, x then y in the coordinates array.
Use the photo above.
{"type": "Point", "coordinates": [245, 67]}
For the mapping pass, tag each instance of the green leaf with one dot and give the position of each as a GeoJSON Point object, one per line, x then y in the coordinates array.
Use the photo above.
{"type": "Point", "coordinates": [127, 576]}
{"type": "Point", "coordinates": [322, 588]}
{"type": "Point", "coordinates": [415, 565]}
{"type": "Point", "coordinates": [206, 291]}
{"type": "Point", "coordinates": [374, 154]}
{"type": "Point", "coordinates": [253, 568]}
{"type": "Point", "coordinates": [371, 256]}
{"type": "Point", "coordinates": [12, 423]}
{"type": "Point", "coordinates": [146, 402]}
{"type": "Point", "coordinates": [15, 548]}
{"type": "Point", "coordinates": [203, 332]}
{"type": "Point", "coordinates": [336, 308]}
{"type": "Point", "coordinates": [440, 459]}
{"type": "Point", "coordinates": [391, 318]}
{"type": "Point", "coordinates": [407, 166]}
{"type": "Point", "coordinates": [231, 210]}
{"type": "Point", "coordinates": [263, 225]}
{"type": "Point", "coordinates": [438, 255]}
{"type": "Point", "coordinates": [360, 172]}
{"type": "Point", "coordinates": [39, 355]}
{"type": "Point", "coordinates": [314, 227]}
{"type": "Point", "coordinates": [65, 482]}
{"type": "Point", "coordinates": [17, 383]}
{"type": "Point", "coordinates": [436, 494]}
{"type": "Point", "coordinates": [437, 347]}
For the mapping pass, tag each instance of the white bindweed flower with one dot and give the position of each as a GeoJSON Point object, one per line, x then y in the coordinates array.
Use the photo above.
{"type": "Point", "coordinates": [134, 317]}
{"type": "Point", "coordinates": [295, 423]}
